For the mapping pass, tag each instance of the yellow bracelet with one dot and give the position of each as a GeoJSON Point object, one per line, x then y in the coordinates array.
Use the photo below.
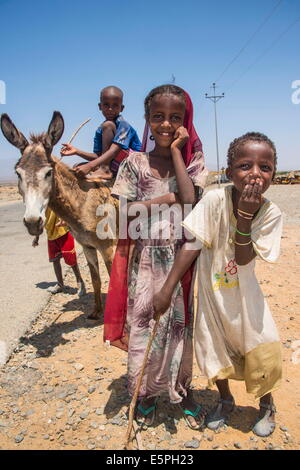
{"type": "Point", "coordinates": [243, 244]}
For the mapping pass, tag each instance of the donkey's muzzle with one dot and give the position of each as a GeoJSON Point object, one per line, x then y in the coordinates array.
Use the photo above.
{"type": "Point", "coordinates": [34, 226]}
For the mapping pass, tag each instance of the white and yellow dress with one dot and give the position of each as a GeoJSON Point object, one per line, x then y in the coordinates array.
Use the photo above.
{"type": "Point", "coordinates": [235, 334]}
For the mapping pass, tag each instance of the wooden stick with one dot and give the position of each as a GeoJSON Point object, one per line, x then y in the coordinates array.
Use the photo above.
{"type": "Point", "coordinates": [138, 386]}
{"type": "Point", "coordinates": [76, 132]}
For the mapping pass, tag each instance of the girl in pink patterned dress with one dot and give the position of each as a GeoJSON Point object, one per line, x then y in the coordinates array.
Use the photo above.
{"type": "Point", "coordinates": [173, 173]}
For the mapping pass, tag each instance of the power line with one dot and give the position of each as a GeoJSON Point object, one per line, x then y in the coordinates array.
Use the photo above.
{"type": "Point", "coordinates": [250, 39]}
{"type": "Point", "coordinates": [215, 98]}
{"type": "Point", "coordinates": [265, 52]}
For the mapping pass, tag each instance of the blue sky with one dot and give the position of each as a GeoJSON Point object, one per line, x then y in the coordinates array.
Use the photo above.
{"type": "Point", "coordinates": [57, 56]}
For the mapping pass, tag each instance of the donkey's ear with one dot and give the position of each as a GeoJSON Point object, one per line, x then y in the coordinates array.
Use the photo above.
{"type": "Point", "coordinates": [55, 129]}
{"type": "Point", "coordinates": [12, 134]}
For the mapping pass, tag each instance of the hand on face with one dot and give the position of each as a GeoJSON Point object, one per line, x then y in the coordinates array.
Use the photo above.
{"type": "Point", "coordinates": [251, 197]}
{"type": "Point", "coordinates": [68, 150]}
{"type": "Point", "coordinates": [180, 138]}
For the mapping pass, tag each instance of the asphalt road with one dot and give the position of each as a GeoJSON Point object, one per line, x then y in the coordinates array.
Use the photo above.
{"type": "Point", "coordinates": [25, 275]}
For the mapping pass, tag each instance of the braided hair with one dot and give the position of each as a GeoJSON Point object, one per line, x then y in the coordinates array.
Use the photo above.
{"type": "Point", "coordinates": [236, 145]}
{"type": "Point", "coordinates": [162, 90]}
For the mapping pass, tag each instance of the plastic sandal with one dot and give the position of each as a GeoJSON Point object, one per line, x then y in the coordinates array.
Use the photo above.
{"type": "Point", "coordinates": [195, 414]}
{"type": "Point", "coordinates": [263, 427]}
{"type": "Point", "coordinates": [217, 419]}
{"type": "Point", "coordinates": [145, 412]}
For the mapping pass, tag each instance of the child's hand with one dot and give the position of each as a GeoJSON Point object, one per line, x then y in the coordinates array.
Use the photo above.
{"type": "Point", "coordinates": [161, 303]}
{"type": "Point", "coordinates": [82, 170]}
{"type": "Point", "coordinates": [67, 150]}
{"type": "Point", "coordinates": [60, 223]}
{"type": "Point", "coordinates": [180, 138]}
{"type": "Point", "coordinates": [251, 198]}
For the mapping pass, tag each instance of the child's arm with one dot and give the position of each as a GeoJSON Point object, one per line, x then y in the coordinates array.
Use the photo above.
{"type": "Point", "coordinates": [186, 191]}
{"type": "Point", "coordinates": [68, 150]}
{"type": "Point", "coordinates": [249, 203]}
{"type": "Point", "coordinates": [106, 158]}
{"type": "Point", "coordinates": [183, 260]}
{"type": "Point", "coordinates": [169, 199]}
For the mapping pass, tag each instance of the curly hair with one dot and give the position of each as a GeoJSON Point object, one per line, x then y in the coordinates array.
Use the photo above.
{"type": "Point", "coordinates": [236, 145]}
{"type": "Point", "coordinates": [163, 90]}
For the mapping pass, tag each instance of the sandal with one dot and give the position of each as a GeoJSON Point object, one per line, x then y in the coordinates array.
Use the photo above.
{"type": "Point", "coordinates": [196, 414]}
{"type": "Point", "coordinates": [145, 412]}
{"type": "Point", "coordinates": [217, 419]}
{"type": "Point", "coordinates": [263, 427]}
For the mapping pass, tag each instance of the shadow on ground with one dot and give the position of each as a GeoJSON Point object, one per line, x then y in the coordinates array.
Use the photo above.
{"type": "Point", "coordinates": [242, 418]}
{"type": "Point", "coordinates": [52, 335]}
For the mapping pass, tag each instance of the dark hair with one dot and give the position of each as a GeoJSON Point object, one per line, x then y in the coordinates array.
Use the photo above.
{"type": "Point", "coordinates": [116, 90]}
{"type": "Point", "coordinates": [236, 145]}
{"type": "Point", "coordinates": [163, 90]}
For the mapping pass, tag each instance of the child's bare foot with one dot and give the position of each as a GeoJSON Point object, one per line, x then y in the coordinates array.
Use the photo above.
{"type": "Point", "coordinates": [103, 172]}
{"type": "Point", "coordinates": [56, 289]}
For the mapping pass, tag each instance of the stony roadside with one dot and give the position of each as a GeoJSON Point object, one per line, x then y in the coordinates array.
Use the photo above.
{"type": "Point", "coordinates": [64, 389]}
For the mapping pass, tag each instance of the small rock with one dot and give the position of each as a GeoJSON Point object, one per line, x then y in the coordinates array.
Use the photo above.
{"type": "Point", "coordinates": [210, 438]}
{"type": "Point", "coordinates": [237, 445]}
{"type": "Point", "coordinates": [283, 428]}
{"type": "Point", "coordinates": [19, 438]}
{"type": "Point", "coordinates": [215, 447]}
{"type": "Point", "coordinates": [91, 389]}
{"type": "Point", "coordinates": [46, 437]}
{"type": "Point", "coordinates": [102, 427]}
{"type": "Point", "coordinates": [99, 411]}
{"type": "Point", "coordinates": [84, 414]}
{"type": "Point", "coordinates": [91, 446]}
{"type": "Point", "coordinates": [78, 366]}
{"type": "Point", "coordinates": [270, 446]}
{"type": "Point", "coordinates": [116, 420]}
{"type": "Point", "coordinates": [194, 444]}
{"type": "Point", "coordinates": [59, 415]}
{"type": "Point", "coordinates": [94, 425]}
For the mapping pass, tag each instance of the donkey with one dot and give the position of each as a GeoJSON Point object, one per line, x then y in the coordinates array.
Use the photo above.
{"type": "Point", "coordinates": [44, 181]}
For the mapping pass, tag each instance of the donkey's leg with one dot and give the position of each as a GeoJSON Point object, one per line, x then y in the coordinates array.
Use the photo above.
{"type": "Point", "coordinates": [91, 256]}
{"type": "Point", "coordinates": [107, 251]}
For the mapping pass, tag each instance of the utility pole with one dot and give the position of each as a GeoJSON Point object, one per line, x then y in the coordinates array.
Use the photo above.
{"type": "Point", "coordinates": [216, 98]}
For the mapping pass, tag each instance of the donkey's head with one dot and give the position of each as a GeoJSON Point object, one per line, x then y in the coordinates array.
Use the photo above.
{"type": "Point", "coordinates": [35, 168]}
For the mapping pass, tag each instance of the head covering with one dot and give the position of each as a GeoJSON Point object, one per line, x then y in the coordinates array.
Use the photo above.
{"type": "Point", "coordinates": [116, 301]}
{"type": "Point", "coordinates": [194, 143]}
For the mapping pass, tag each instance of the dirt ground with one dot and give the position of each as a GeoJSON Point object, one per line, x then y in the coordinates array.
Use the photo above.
{"type": "Point", "coordinates": [9, 193]}
{"type": "Point", "coordinates": [64, 389]}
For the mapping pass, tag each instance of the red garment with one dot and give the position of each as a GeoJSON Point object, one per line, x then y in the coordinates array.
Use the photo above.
{"type": "Point", "coordinates": [62, 247]}
{"type": "Point", "coordinates": [116, 301]}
